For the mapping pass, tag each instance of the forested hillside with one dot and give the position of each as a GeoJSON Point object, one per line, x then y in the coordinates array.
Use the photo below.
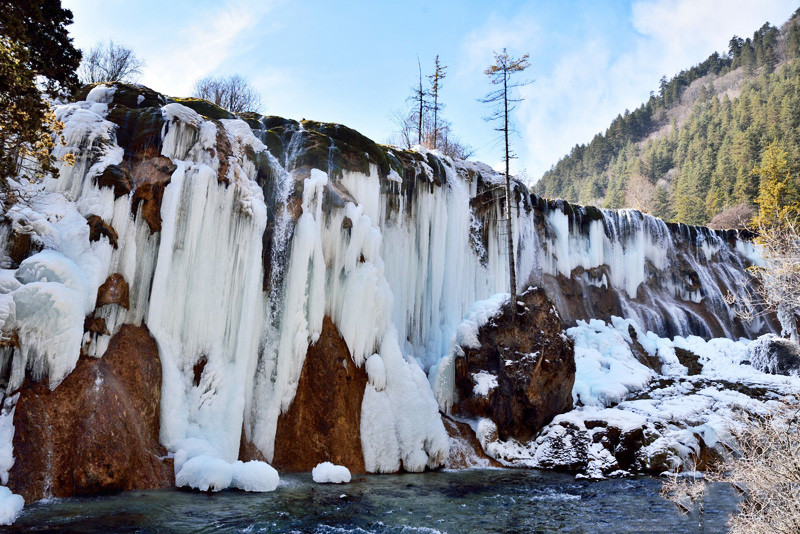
{"type": "Point", "coordinates": [689, 152]}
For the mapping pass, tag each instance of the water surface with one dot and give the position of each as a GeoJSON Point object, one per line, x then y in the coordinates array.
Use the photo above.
{"type": "Point", "coordinates": [492, 500]}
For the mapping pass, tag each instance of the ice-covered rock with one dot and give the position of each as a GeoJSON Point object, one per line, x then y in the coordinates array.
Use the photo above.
{"type": "Point", "coordinates": [775, 355]}
{"type": "Point", "coordinates": [636, 420]}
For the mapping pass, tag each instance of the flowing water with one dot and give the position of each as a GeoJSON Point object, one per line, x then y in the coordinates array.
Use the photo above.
{"type": "Point", "coordinates": [492, 500]}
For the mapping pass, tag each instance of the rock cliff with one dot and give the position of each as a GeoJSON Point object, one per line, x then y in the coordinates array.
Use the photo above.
{"type": "Point", "coordinates": [298, 284]}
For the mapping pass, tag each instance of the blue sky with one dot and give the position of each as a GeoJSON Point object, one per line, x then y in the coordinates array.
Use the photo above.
{"type": "Point", "coordinates": [354, 62]}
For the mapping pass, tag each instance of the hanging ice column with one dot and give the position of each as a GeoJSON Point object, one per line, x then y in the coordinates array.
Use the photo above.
{"type": "Point", "coordinates": [439, 260]}
{"type": "Point", "coordinates": [336, 270]}
{"type": "Point", "coordinates": [205, 306]}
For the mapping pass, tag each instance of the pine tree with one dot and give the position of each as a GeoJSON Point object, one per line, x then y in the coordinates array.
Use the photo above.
{"type": "Point", "coordinates": [35, 50]}
{"type": "Point", "coordinates": [502, 101]}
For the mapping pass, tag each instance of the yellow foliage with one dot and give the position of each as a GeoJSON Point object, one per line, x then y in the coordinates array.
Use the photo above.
{"type": "Point", "coordinates": [778, 197]}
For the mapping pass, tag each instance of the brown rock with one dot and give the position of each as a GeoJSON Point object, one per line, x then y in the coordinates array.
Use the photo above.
{"type": "Point", "coordinates": [117, 178]}
{"type": "Point", "coordinates": [534, 364]}
{"type": "Point", "coordinates": [95, 325]}
{"type": "Point", "coordinates": [224, 151]}
{"type": "Point", "coordinates": [465, 449]}
{"type": "Point", "coordinates": [97, 432]}
{"type": "Point", "coordinates": [113, 291]}
{"type": "Point", "coordinates": [644, 357]}
{"type": "Point", "coordinates": [149, 196]}
{"type": "Point", "coordinates": [99, 228]}
{"type": "Point", "coordinates": [150, 177]}
{"type": "Point", "coordinates": [689, 360]}
{"type": "Point", "coordinates": [21, 246]}
{"type": "Point", "coordinates": [324, 421]}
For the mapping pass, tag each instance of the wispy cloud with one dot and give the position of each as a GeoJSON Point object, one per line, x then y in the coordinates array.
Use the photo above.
{"type": "Point", "coordinates": [202, 45]}
{"type": "Point", "coordinates": [517, 33]}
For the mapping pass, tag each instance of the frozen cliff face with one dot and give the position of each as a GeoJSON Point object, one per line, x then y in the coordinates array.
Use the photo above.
{"type": "Point", "coordinates": [672, 278]}
{"type": "Point", "coordinates": [233, 241]}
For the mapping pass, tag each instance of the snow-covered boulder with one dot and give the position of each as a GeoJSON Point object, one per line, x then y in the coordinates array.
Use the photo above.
{"type": "Point", "coordinates": [775, 355]}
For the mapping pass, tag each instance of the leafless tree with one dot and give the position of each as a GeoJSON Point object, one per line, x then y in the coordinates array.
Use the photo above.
{"type": "Point", "coordinates": [110, 62]}
{"type": "Point", "coordinates": [419, 97]}
{"type": "Point", "coordinates": [233, 93]}
{"type": "Point", "coordinates": [405, 129]}
{"type": "Point", "coordinates": [502, 102]}
{"type": "Point", "coordinates": [778, 289]}
{"type": "Point", "coordinates": [450, 145]}
{"type": "Point", "coordinates": [737, 216]}
{"type": "Point", "coordinates": [436, 106]}
{"type": "Point", "coordinates": [765, 467]}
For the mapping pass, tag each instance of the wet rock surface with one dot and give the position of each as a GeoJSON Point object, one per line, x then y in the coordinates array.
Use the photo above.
{"type": "Point", "coordinates": [465, 449]}
{"type": "Point", "coordinates": [97, 432]}
{"type": "Point", "coordinates": [522, 374]}
{"type": "Point", "coordinates": [323, 424]}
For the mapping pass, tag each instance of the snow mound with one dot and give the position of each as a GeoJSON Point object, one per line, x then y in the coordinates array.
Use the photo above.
{"type": "Point", "coordinates": [11, 506]}
{"type": "Point", "coordinates": [605, 369]}
{"type": "Point", "coordinates": [198, 465]}
{"type": "Point", "coordinates": [328, 473]}
{"type": "Point", "coordinates": [484, 383]}
{"type": "Point", "coordinates": [478, 315]}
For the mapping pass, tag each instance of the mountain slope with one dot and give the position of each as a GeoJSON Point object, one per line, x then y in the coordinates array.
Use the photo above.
{"type": "Point", "coordinates": [687, 153]}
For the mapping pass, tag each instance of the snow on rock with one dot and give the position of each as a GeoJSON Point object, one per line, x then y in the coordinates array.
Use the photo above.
{"type": "Point", "coordinates": [484, 383]}
{"type": "Point", "coordinates": [254, 476]}
{"type": "Point", "coordinates": [633, 420]}
{"type": "Point", "coordinates": [775, 355]}
{"type": "Point", "coordinates": [328, 473]}
{"type": "Point", "coordinates": [199, 465]}
{"type": "Point", "coordinates": [478, 315]}
{"type": "Point", "coordinates": [605, 369]}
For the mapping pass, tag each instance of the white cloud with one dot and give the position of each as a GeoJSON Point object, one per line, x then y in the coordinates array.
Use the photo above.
{"type": "Point", "coordinates": [201, 46]}
{"type": "Point", "coordinates": [179, 42]}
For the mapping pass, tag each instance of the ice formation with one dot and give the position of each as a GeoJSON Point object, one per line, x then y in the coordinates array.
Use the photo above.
{"type": "Point", "coordinates": [250, 250]}
{"type": "Point", "coordinates": [328, 473]}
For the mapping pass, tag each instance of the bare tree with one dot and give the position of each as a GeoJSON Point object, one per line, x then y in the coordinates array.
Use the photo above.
{"type": "Point", "coordinates": [778, 289]}
{"type": "Point", "coordinates": [737, 216]}
{"type": "Point", "coordinates": [436, 84]}
{"type": "Point", "coordinates": [110, 62]}
{"type": "Point", "coordinates": [450, 145]}
{"type": "Point", "coordinates": [405, 134]}
{"type": "Point", "coordinates": [233, 93]}
{"type": "Point", "coordinates": [420, 99]}
{"type": "Point", "coordinates": [502, 102]}
{"type": "Point", "coordinates": [765, 467]}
